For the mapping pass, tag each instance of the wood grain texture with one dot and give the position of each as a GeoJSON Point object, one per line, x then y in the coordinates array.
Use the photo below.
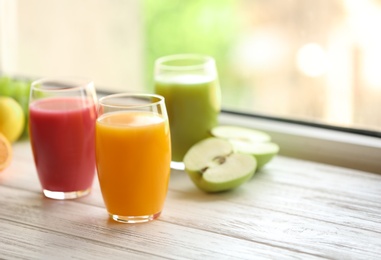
{"type": "Point", "coordinates": [292, 209]}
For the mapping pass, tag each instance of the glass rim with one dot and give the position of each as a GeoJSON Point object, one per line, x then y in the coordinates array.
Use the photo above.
{"type": "Point", "coordinates": [204, 60]}
{"type": "Point", "coordinates": [83, 82]}
{"type": "Point", "coordinates": [101, 101]}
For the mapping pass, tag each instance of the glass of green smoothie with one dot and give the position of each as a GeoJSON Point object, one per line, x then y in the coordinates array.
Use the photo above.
{"type": "Point", "coordinates": [189, 83]}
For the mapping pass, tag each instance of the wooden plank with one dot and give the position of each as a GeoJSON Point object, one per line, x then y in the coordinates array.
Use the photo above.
{"type": "Point", "coordinates": [25, 241]}
{"type": "Point", "coordinates": [277, 227]}
{"type": "Point", "coordinates": [75, 221]}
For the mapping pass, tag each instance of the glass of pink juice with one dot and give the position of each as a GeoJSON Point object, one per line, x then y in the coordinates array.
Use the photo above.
{"type": "Point", "coordinates": [62, 115]}
{"type": "Point", "coordinates": [189, 83]}
{"type": "Point", "coordinates": [133, 155]}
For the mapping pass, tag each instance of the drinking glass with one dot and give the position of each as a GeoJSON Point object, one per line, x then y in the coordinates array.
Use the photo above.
{"type": "Point", "coordinates": [133, 155]}
{"type": "Point", "coordinates": [62, 114]}
{"type": "Point", "coordinates": [189, 83]}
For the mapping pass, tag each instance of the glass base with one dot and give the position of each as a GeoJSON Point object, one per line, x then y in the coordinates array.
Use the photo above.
{"type": "Point", "coordinates": [177, 166]}
{"type": "Point", "coordinates": [60, 195]}
{"type": "Point", "coordinates": [134, 219]}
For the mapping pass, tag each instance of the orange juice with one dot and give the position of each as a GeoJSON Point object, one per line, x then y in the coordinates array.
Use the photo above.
{"type": "Point", "coordinates": [133, 154]}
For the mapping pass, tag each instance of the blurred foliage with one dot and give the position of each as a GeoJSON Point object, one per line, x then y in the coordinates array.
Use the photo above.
{"type": "Point", "coordinates": [19, 90]}
{"type": "Point", "coordinates": [199, 26]}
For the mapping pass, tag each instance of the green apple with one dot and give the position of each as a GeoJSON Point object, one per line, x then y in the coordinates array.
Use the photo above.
{"type": "Point", "coordinates": [248, 141]}
{"type": "Point", "coordinates": [213, 165]}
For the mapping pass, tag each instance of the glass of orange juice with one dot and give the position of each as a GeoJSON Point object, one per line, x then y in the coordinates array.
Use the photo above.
{"type": "Point", "coordinates": [133, 155]}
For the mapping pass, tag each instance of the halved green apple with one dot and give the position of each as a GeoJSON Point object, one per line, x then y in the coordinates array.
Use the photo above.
{"type": "Point", "coordinates": [213, 165]}
{"type": "Point", "coordinates": [248, 141]}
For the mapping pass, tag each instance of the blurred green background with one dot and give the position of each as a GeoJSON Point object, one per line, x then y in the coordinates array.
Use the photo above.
{"type": "Point", "coordinates": [208, 27]}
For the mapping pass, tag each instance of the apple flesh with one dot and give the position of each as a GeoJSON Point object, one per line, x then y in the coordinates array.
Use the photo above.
{"type": "Point", "coordinates": [213, 166]}
{"type": "Point", "coordinates": [248, 141]}
{"type": "Point", "coordinates": [263, 152]}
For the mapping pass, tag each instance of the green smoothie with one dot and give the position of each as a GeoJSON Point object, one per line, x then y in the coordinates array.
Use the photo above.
{"type": "Point", "coordinates": [193, 104]}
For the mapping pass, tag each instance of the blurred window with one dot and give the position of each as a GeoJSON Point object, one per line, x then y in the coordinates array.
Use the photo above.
{"type": "Point", "coordinates": [315, 61]}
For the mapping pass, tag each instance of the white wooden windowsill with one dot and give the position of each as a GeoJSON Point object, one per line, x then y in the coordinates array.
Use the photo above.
{"type": "Point", "coordinates": [291, 209]}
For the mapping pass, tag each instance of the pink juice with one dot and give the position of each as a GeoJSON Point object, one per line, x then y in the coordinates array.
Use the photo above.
{"type": "Point", "coordinates": [62, 137]}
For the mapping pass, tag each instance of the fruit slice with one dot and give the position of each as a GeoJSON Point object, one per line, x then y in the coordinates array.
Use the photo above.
{"type": "Point", "coordinates": [248, 141]}
{"type": "Point", "coordinates": [5, 152]}
{"type": "Point", "coordinates": [240, 133]}
{"type": "Point", "coordinates": [213, 166]}
{"type": "Point", "coordinates": [263, 152]}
